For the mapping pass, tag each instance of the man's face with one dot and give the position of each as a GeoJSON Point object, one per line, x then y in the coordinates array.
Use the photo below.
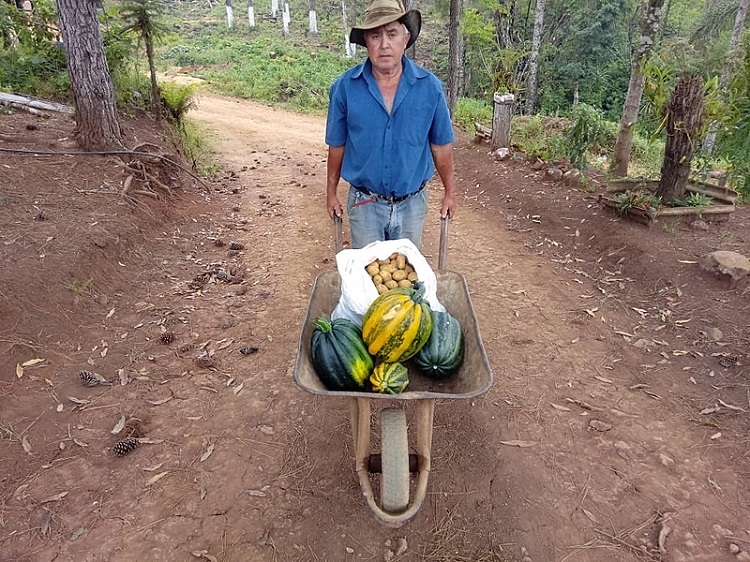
{"type": "Point", "coordinates": [386, 45]}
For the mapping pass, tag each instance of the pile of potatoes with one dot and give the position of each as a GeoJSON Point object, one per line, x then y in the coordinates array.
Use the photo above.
{"type": "Point", "coordinates": [391, 273]}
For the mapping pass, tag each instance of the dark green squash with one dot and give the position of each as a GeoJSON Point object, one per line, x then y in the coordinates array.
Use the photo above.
{"type": "Point", "coordinates": [443, 353]}
{"type": "Point", "coordinates": [339, 356]}
{"type": "Point", "coordinates": [389, 378]}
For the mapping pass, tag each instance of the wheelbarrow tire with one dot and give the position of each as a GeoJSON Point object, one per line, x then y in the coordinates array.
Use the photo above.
{"type": "Point", "coordinates": [394, 451]}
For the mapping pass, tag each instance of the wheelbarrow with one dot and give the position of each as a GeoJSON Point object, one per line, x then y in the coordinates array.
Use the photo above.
{"type": "Point", "coordinates": [394, 463]}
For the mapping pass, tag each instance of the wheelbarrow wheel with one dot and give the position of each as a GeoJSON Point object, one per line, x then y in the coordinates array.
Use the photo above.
{"type": "Point", "coordinates": [394, 451]}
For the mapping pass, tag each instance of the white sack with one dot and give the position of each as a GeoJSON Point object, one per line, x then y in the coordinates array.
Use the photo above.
{"type": "Point", "coordinates": [357, 289]}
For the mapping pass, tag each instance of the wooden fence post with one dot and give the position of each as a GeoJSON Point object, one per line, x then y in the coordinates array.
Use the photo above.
{"type": "Point", "coordinates": [501, 116]}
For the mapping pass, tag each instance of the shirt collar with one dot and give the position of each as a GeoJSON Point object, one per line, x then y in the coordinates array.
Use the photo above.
{"type": "Point", "coordinates": [411, 71]}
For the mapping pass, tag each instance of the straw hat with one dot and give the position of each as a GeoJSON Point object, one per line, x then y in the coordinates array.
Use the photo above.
{"type": "Point", "coordinates": [382, 12]}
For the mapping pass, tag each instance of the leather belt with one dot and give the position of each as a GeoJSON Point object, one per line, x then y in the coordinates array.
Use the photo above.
{"type": "Point", "coordinates": [387, 198]}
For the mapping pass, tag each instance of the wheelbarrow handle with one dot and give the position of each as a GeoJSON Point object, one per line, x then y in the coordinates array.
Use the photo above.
{"type": "Point", "coordinates": [337, 232]}
{"type": "Point", "coordinates": [443, 253]}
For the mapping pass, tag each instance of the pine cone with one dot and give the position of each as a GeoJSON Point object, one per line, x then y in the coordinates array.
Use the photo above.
{"type": "Point", "coordinates": [236, 246]}
{"type": "Point", "coordinates": [90, 378]}
{"type": "Point", "coordinates": [728, 361]}
{"type": "Point", "coordinates": [167, 338]}
{"type": "Point", "coordinates": [125, 446]}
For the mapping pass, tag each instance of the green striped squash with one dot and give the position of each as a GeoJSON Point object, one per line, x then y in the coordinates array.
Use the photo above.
{"type": "Point", "coordinates": [339, 355]}
{"type": "Point", "coordinates": [397, 324]}
{"type": "Point", "coordinates": [443, 353]}
{"type": "Point", "coordinates": [389, 378]}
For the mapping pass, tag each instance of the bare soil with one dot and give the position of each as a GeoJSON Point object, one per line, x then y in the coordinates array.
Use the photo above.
{"type": "Point", "coordinates": [616, 427]}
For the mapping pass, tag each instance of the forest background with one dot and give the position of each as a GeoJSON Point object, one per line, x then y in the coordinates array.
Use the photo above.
{"type": "Point", "coordinates": [570, 65]}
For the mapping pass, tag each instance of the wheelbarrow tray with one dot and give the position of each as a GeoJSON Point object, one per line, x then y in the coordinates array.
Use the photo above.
{"type": "Point", "coordinates": [473, 378]}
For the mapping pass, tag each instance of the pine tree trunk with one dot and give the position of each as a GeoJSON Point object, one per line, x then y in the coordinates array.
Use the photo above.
{"type": "Point", "coordinates": [230, 14]}
{"type": "Point", "coordinates": [97, 127]}
{"type": "Point", "coordinates": [313, 18]}
{"type": "Point", "coordinates": [534, 57]}
{"type": "Point", "coordinates": [629, 117]}
{"type": "Point", "coordinates": [411, 52]}
{"type": "Point", "coordinates": [155, 94]}
{"type": "Point", "coordinates": [250, 13]}
{"type": "Point", "coordinates": [454, 54]}
{"type": "Point", "coordinates": [684, 120]}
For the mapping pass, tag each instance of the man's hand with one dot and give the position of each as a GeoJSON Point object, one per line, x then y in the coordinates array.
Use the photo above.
{"type": "Point", "coordinates": [443, 157]}
{"type": "Point", "coordinates": [448, 206]}
{"type": "Point", "coordinates": [334, 206]}
{"type": "Point", "coordinates": [333, 174]}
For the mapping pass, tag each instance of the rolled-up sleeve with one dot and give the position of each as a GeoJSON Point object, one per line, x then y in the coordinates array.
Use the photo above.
{"type": "Point", "coordinates": [336, 118]}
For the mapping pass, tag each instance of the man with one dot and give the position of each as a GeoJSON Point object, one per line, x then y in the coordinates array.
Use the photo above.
{"type": "Point", "coordinates": [388, 129]}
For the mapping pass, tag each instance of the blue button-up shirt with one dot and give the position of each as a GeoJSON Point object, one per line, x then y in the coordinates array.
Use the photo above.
{"type": "Point", "coordinates": [388, 154]}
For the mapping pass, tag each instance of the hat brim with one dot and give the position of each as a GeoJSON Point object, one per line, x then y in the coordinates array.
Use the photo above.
{"type": "Point", "coordinates": [411, 19]}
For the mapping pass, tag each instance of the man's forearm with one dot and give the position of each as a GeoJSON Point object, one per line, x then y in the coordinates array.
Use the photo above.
{"type": "Point", "coordinates": [333, 169]}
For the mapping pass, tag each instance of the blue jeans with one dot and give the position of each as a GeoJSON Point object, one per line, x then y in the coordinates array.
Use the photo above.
{"type": "Point", "coordinates": [370, 220]}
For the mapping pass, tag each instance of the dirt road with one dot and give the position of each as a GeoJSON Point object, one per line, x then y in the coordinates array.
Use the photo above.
{"type": "Point", "coordinates": [591, 445]}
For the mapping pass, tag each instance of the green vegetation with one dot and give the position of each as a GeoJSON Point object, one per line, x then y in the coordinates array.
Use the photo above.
{"type": "Point", "coordinates": [628, 200]}
{"type": "Point", "coordinates": [80, 287]}
{"type": "Point", "coordinates": [584, 67]}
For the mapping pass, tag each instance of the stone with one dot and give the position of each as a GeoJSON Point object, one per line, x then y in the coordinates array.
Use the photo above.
{"type": "Point", "coordinates": [554, 173]}
{"type": "Point", "coordinates": [502, 154]}
{"type": "Point", "coordinates": [598, 425]}
{"type": "Point", "coordinates": [727, 264]}
{"type": "Point", "coordinates": [538, 165]}
{"type": "Point", "coordinates": [743, 556]}
{"type": "Point", "coordinates": [643, 343]}
{"type": "Point", "coordinates": [699, 225]}
{"type": "Point", "coordinates": [714, 334]}
{"type": "Point", "coordinates": [733, 548]}
{"type": "Point", "coordinates": [665, 460]}
{"type": "Point", "coordinates": [573, 178]}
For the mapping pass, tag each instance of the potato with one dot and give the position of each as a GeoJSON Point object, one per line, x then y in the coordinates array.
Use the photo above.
{"type": "Point", "coordinates": [391, 284]}
{"type": "Point", "coordinates": [401, 261]}
{"type": "Point", "coordinates": [385, 275]}
{"type": "Point", "coordinates": [412, 276]}
{"type": "Point", "coordinates": [399, 275]}
{"type": "Point", "coordinates": [377, 279]}
{"type": "Point", "coordinates": [382, 289]}
{"type": "Point", "coordinates": [389, 267]}
{"type": "Point", "coordinates": [393, 256]}
{"type": "Point", "coordinates": [372, 268]}
{"type": "Point", "coordinates": [384, 262]}
{"type": "Point", "coordinates": [408, 268]}
{"type": "Point", "coordinates": [405, 283]}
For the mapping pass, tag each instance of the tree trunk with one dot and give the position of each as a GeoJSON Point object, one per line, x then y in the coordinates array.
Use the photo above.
{"type": "Point", "coordinates": [250, 13]}
{"type": "Point", "coordinates": [411, 52]}
{"type": "Point", "coordinates": [726, 73]}
{"type": "Point", "coordinates": [454, 54]}
{"type": "Point", "coordinates": [313, 18]}
{"type": "Point", "coordinates": [629, 117]}
{"type": "Point", "coordinates": [534, 57]}
{"type": "Point", "coordinates": [684, 120]}
{"type": "Point", "coordinates": [274, 7]}
{"type": "Point", "coordinates": [286, 18]}
{"type": "Point", "coordinates": [97, 127]}
{"type": "Point", "coordinates": [155, 94]}
{"type": "Point", "coordinates": [349, 47]}
{"type": "Point", "coordinates": [230, 14]}
{"type": "Point", "coordinates": [501, 117]}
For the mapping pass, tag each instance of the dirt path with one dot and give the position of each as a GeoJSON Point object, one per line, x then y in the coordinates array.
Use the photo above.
{"type": "Point", "coordinates": [589, 447]}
